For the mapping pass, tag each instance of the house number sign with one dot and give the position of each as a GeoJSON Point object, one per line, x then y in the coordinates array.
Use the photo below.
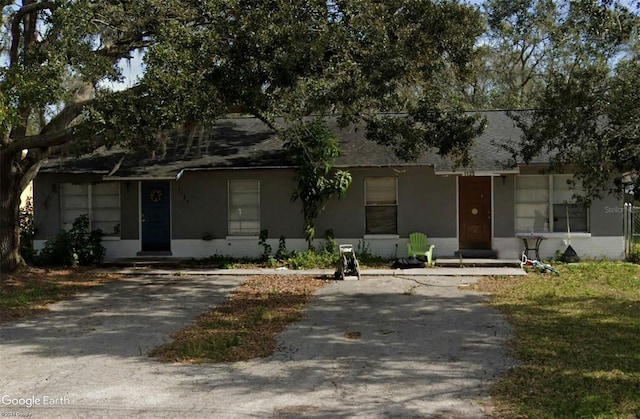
{"type": "Point", "coordinates": [155, 195]}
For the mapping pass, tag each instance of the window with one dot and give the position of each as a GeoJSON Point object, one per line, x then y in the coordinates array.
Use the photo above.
{"type": "Point", "coordinates": [565, 208]}
{"type": "Point", "coordinates": [100, 201]}
{"type": "Point", "coordinates": [381, 205]}
{"type": "Point", "coordinates": [545, 203]}
{"type": "Point", "coordinates": [244, 207]}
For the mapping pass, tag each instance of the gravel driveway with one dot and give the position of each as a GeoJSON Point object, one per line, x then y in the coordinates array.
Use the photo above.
{"type": "Point", "coordinates": [379, 347]}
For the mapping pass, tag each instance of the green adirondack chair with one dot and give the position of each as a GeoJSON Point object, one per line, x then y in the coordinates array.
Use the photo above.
{"type": "Point", "coordinates": [418, 246]}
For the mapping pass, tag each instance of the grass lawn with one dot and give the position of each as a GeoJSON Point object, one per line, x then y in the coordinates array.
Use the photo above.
{"type": "Point", "coordinates": [28, 291]}
{"type": "Point", "coordinates": [246, 324]}
{"type": "Point", "coordinates": [577, 337]}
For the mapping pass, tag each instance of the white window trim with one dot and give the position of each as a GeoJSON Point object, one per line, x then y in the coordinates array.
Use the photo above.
{"type": "Point", "coordinates": [550, 204]}
{"type": "Point", "coordinates": [229, 235]}
{"type": "Point", "coordinates": [381, 235]}
{"type": "Point", "coordinates": [90, 208]}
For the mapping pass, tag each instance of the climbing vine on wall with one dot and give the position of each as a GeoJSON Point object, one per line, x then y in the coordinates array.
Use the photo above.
{"type": "Point", "coordinates": [314, 149]}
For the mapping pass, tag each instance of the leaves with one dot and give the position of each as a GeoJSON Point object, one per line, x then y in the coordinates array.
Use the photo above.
{"type": "Point", "coordinates": [314, 149]}
{"type": "Point", "coordinates": [575, 65]}
{"type": "Point", "coordinates": [206, 59]}
{"type": "Point", "coordinates": [426, 127]}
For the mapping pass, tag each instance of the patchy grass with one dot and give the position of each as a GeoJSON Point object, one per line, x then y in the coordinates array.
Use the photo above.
{"type": "Point", "coordinates": [577, 336]}
{"type": "Point", "coordinates": [245, 325]}
{"type": "Point", "coordinates": [29, 291]}
{"type": "Point", "coordinates": [308, 259]}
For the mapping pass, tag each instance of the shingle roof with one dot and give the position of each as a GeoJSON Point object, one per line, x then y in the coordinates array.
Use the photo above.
{"type": "Point", "coordinates": [249, 143]}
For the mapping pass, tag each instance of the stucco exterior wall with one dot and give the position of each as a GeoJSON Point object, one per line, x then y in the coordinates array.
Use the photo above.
{"type": "Point", "coordinates": [426, 203]}
{"type": "Point", "coordinates": [503, 206]}
{"type": "Point", "coordinates": [199, 203]}
{"type": "Point", "coordinates": [606, 216]}
{"type": "Point", "coordinates": [129, 211]}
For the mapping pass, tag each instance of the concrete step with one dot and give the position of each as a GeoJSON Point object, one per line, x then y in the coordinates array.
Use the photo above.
{"type": "Point", "coordinates": [476, 262]}
{"type": "Point", "coordinates": [476, 253]}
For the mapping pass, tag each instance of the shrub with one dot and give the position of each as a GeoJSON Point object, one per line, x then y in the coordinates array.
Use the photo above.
{"type": "Point", "coordinates": [365, 257]}
{"type": "Point", "coordinates": [634, 255]}
{"type": "Point", "coordinates": [311, 259]}
{"type": "Point", "coordinates": [331, 245]}
{"type": "Point", "coordinates": [27, 232]}
{"type": "Point", "coordinates": [262, 241]}
{"type": "Point", "coordinates": [282, 252]}
{"type": "Point", "coordinates": [78, 246]}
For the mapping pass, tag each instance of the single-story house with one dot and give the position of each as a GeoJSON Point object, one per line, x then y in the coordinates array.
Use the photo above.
{"type": "Point", "coordinates": [211, 190]}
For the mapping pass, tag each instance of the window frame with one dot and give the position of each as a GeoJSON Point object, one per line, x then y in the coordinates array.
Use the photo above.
{"type": "Point", "coordinates": [554, 195]}
{"type": "Point", "coordinates": [232, 232]}
{"type": "Point", "coordinates": [367, 205]}
{"type": "Point", "coordinates": [89, 195]}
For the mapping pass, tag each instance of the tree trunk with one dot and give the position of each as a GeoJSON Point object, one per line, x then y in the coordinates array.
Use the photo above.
{"type": "Point", "coordinates": [10, 190]}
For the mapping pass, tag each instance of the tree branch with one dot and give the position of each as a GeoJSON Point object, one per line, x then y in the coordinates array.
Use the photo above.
{"type": "Point", "coordinates": [15, 25]}
{"type": "Point", "coordinates": [123, 48]}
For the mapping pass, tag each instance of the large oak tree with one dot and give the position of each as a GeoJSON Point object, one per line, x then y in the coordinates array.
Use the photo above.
{"type": "Point", "coordinates": [205, 59]}
{"type": "Point", "coordinates": [574, 66]}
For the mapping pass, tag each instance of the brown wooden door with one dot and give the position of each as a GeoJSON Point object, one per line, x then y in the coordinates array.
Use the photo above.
{"type": "Point", "coordinates": [475, 213]}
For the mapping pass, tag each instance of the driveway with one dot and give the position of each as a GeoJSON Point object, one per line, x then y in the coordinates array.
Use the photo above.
{"type": "Point", "coordinates": [379, 347]}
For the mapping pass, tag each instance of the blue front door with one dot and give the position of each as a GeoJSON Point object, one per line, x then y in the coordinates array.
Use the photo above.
{"type": "Point", "coordinates": [156, 216]}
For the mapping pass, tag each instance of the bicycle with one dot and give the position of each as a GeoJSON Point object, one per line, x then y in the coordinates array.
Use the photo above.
{"type": "Point", "coordinates": [544, 267]}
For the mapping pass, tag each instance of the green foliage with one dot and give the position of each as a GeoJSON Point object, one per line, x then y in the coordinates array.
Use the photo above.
{"type": "Point", "coordinates": [634, 255]}
{"type": "Point", "coordinates": [282, 252]}
{"type": "Point", "coordinates": [262, 241]}
{"type": "Point", "coordinates": [424, 127]}
{"type": "Point", "coordinates": [58, 251]}
{"type": "Point", "coordinates": [363, 250]}
{"type": "Point", "coordinates": [366, 257]}
{"type": "Point", "coordinates": [576, 65]}
{"type": "Point", "coordinates": [27, 232]}
{"type": "Point", "coordinates": [78, 246]}
{"type": "Point", "coordinates": [206, 59]}
{"type": "Point", "coordinates": [314, 149]}
{"type": "Point", "coordinates": [311, 259]}
{"type": "Point", "coordinates": [330, 246]}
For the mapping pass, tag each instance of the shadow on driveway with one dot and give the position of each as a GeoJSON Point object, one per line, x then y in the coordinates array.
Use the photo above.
{"type": "Point", "coordinates": [379, 347]}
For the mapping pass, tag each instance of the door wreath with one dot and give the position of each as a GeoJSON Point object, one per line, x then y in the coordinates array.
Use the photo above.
{"type": "Point", "coordinates": [155, 195]}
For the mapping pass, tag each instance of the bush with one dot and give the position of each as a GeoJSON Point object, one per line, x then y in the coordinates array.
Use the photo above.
{"type": "Point", "coordinates": [310, 259]}
{"type": "Point", "coordinates": [262, 241]}
{"type": "Point", "coordinates": [282, 252]}
{"type": "Point", "coordinates": [365, 257]}
{"type": "Point", "coordinates": [78, 246]}
{"type": "Point", "coordinates": [27, 232]}
{"type": "Point", "coordinates": [634, 255]}
{"type": "Point", "coordinates": [331, 246]}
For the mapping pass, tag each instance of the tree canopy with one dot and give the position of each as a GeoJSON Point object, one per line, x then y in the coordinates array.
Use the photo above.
{"type": "Point", "coordinates": [574, 67]}
{"type": "Point", "coordinates": [205, 59]}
